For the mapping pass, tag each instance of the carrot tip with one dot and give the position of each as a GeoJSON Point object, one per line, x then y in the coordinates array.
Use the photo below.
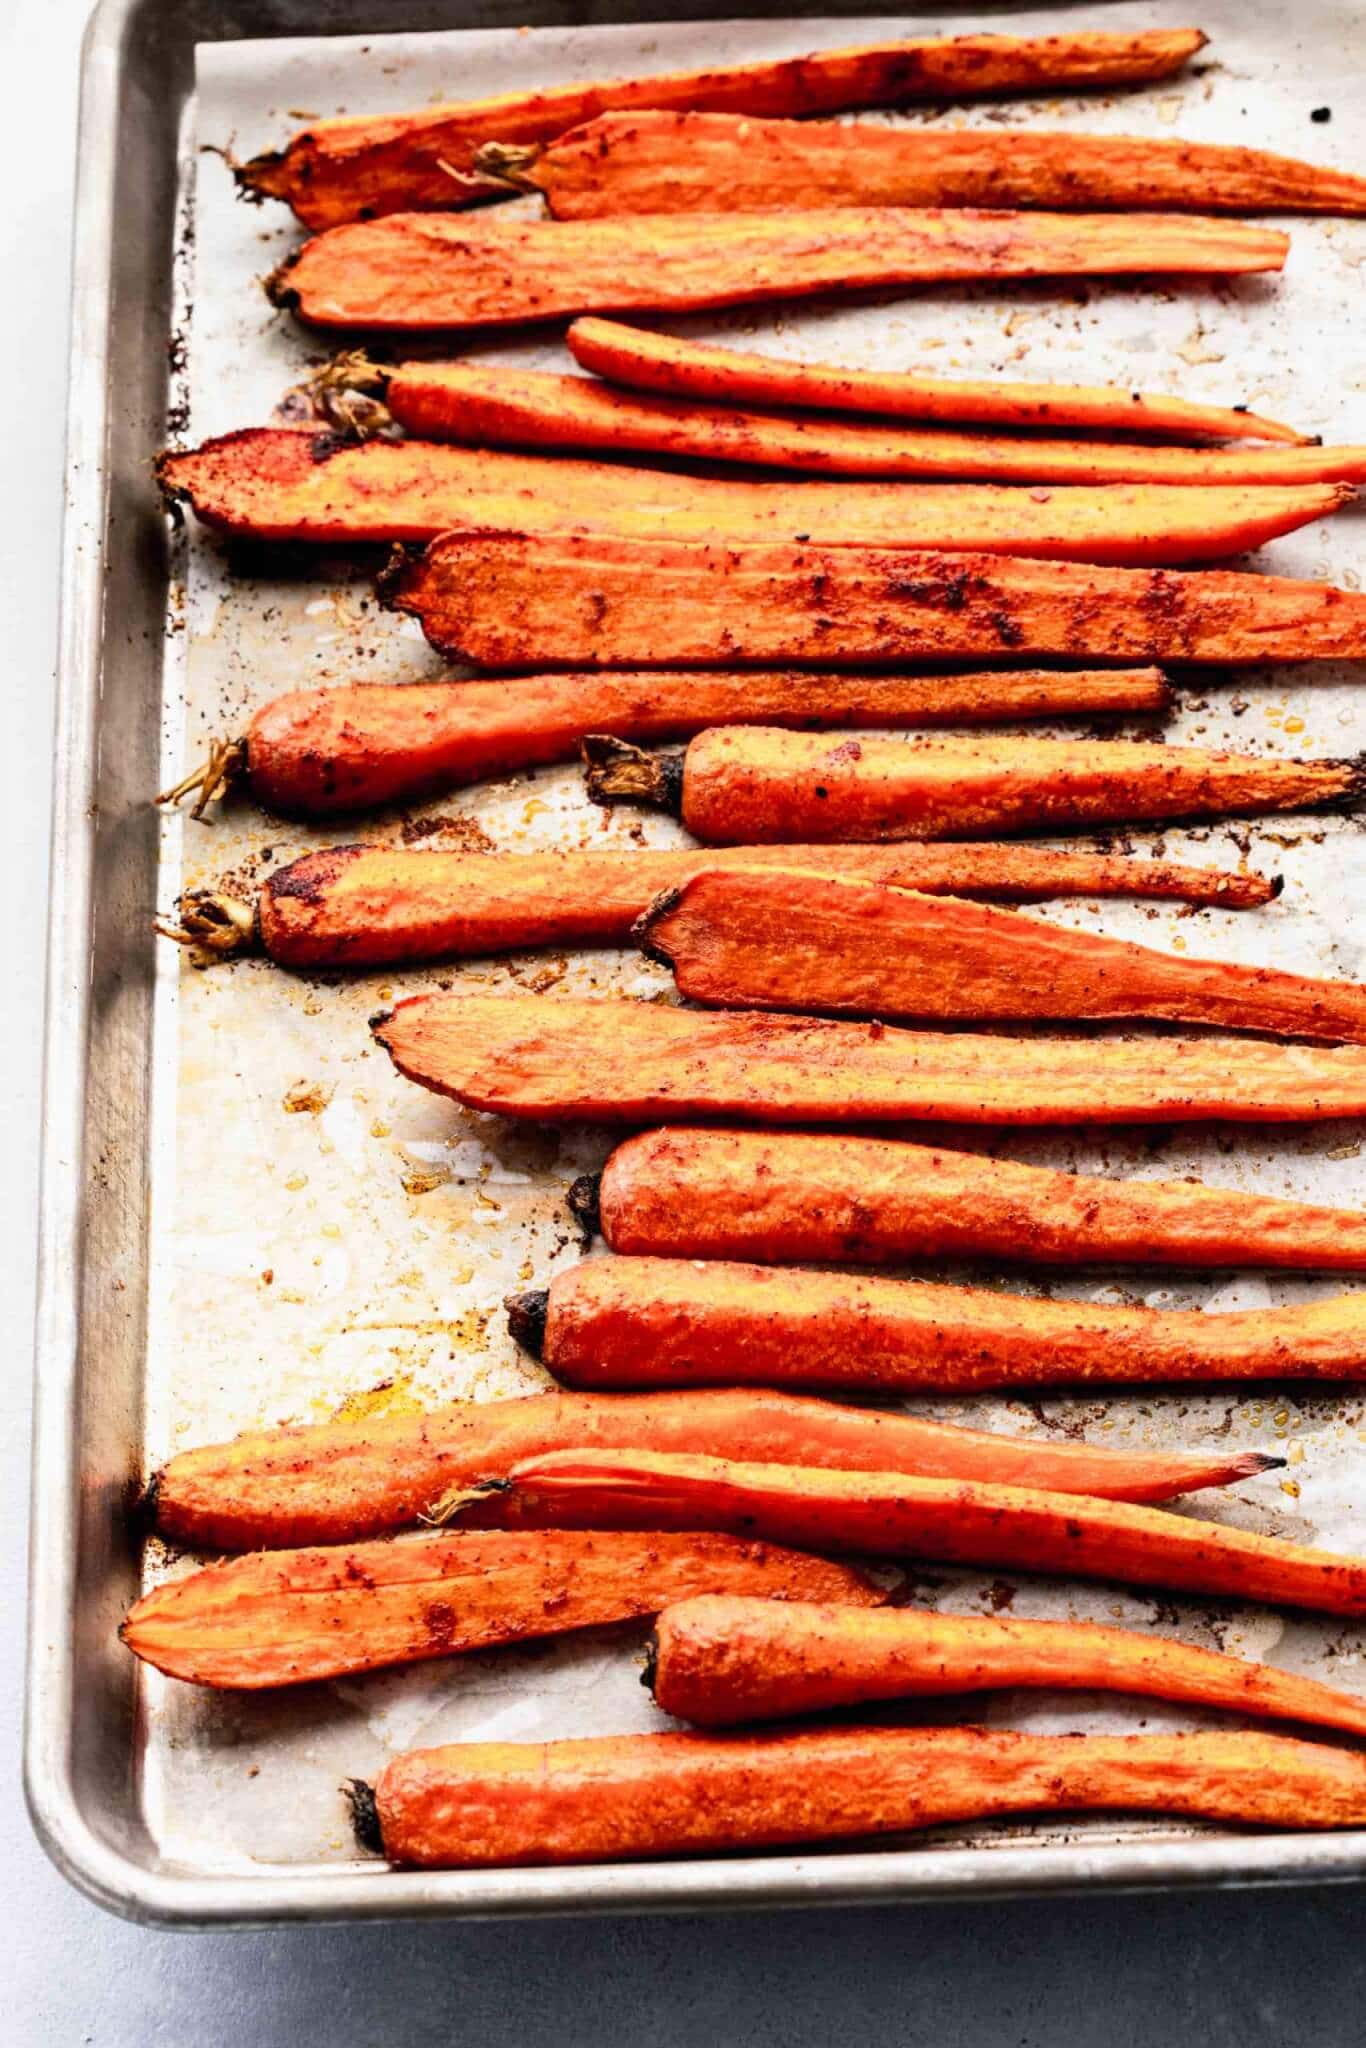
{"type": "Point", "coordinates": [279, 293]}
{"type": "Point", "coordinates": [650, 1666]}
{"type": "Point", "coordinates": [527, 1315]}
{"type": "Point", "coordinates": [365, 1823]}
{"type": "Point", "coordinates": [390, 580]}
{"type": "Point", "coordinates": [643, 930]}
{"type": "Point", "coordinates": [1260, 1461]}
{"type": "Point", "coordinates": [584, 1204]}
{"type": "Point", "coordinates": [379, 1019]}
{"type": "Point", "coordinates": [1275, 887]}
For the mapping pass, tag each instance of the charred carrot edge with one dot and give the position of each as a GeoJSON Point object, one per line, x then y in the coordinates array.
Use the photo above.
{"type": "Point", "coordinates": [291, 1616]}
{"type": "Point", "coordinates": [677, 368]}
{"type": "Point", "coordinates": [720, 1658]}
{"type": "Point", "coordinates": [801, 1197]}
{"type": "Point", "coordinates": [415, 273]}
{"type": "Point", "coordinates": [786, 938]}
{"type": "Point", "coordinates": [760, 786]}
{"type": "Point", "coordinates": [646, 1323]}
{"type": "Point", "coordinates": [339, 1482]}
{"type": "Point", "coordinates": [358, 166]}
{"type": "Point", "coordinates": [888, 1514]}
{"type": "Point", "coordinates": [579, 600]}
{"type": "Point", "coordinates": [635, 1062]}
{"type": "Point", "coordinates": [477, 1804]}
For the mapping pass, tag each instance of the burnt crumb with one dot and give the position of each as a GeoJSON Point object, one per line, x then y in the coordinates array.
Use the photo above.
{"type": "Point", "coordinates": [1007, 631]}
{"type": "Point", "coordinates": [1321, 114]}
{"type": "Point", "coordinates": [466, 833]}
{"type": "Point", "coordinates": [945, 594]}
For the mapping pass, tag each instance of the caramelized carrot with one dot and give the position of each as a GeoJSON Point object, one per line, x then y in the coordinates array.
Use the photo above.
{"type": "Point", "coordinates": [889, 1515]}
{"type": "Point", "coordinates": [632, 1323]}
{"type": "Point", "coordinates": [338, 1482]}
{"type": "Point", "coordinates": [657, 162]}
{"type": "Point", "coordinates": [803, 1197]}
{"type": "Point", "coordinates": [417, 273]}
{"type": "Point", "coordinates": [788, 939]}
{"type": "Point", "coordinates": [722, 1658]}
{"type": "Point", "coordinates": [475, 1804]}
{"type": "Point", "coordinates": [285, 1617]}
{"type": "Point", "coordinates": [759, 786]}
{"type": "Point", "coordinates": [679, 368]}
{"type": "Point", "coordinates": [357, 166]}
{"type": "Point", "coordinates": [604, 602]}
{"type": "Point", "coordinates": [634, 1062]}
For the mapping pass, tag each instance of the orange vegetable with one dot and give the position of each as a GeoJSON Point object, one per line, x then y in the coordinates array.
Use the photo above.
{"type": "Point", "coordinates": [633, 1062]}
{"type": "Point", "coordinates": [357, 166]}
{"type": "Point", "coordinates": [788, 939]}
{"type": "Point", "coordinates": [678, 368]}
{"type": "Point", "coordinates": [644, 1322]}
{"type": "Point", "coordinates": [604, 602]}
{"type": "Point", "coordinates": [806, 1197]}
{"type": "Point", "coordinates": [289, 1616]}
{"type": "Point", "coordinates": [474, 1804]}
{"type": "Point", "coordinates": [722, 1658]}
{"type": "Point", "coordinates": [417, 273]}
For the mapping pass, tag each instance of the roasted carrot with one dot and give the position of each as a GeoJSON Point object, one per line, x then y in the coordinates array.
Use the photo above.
{"type": "Point", "coordinates": [787, 939]}
{"type": "Point", "coordinates": [357, 166]}
{"type": "Point", "coordinates": [887, 1514]}
{"type": "Point", "coordinates": [806, 1197]}
{"type": "Point", "coordinates": [416, 273]}
{"type": "Point", "coordinates": [722, 1658]}
{"type": "Point", "coordinates": [285, 1617]}
{"type": "Point", "coordinates": [643, 1323]}
{"type": "Point", "coordinates": [760, 786]}
{"type": "Point", "coordinates": [633, 1062]}
{"type": "Point", "coordinates": [602, 602]}
{"type": "Point", "coordinates": [338, 1482]}
{"type": "Point", "coordinates": [599, 1799]}
{"type": "Point", "coordinates": [679, 368]}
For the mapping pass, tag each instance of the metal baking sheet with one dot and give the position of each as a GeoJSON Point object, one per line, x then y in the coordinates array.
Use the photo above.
{"type": "Point", "coordinates": [249, 1219]}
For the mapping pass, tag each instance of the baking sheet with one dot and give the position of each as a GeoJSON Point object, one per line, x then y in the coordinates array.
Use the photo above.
{"type": "Point", "coordinates": [327, 1238]}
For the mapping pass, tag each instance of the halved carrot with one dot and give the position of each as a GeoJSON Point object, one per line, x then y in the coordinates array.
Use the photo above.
{"type": "Point", "coordinates": [475, 1804]}
{"type": "Point", "coordinates": [416, 273]}
{"type": "Point", "coordinates": [634, 1062]}
{"type": "Point", "coordinates": [760, 786]}
{"type": "Point", "coordinates": [679, 368]}
{"type": "Point", "coordinates": [799, 1197]}
{"type": "Point", "coordinates": [886, 1514]}
{"type": "Point", "coordinates": [286, 1617]}
{"type": "Point", "coordinates": [722, 1658]}
{"type": "Point", "coordinates": [645, 1323]}
{"type": "Point", "coordinates": [604, 602]}
{"type": "Point", "coordinates": [337, 1482]}
{"type": "Point", "coordinates": [356, 166]}
{"type": "Point", "coordinates": [789, 939]}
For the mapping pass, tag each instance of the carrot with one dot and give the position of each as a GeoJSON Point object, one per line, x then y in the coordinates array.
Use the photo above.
{"type": "Point", "coordinates": [539, 409]}
{"type": "Point", "coordinates": [679, 368]}
{"type": "Point", "coordinates": [659, 162]}
{"type": "Point", "coordinates": [604, 1798]}
{"type": "Point", "coordinates": [788, 939]}
{"type": "Point", "coordinates": [286, 1617]}
{"type": "Point", "coordinates": [722, 1658]}
{"type": "Point", "coordinates": [339, 1482]}
{"type": "Point", "coordinates": [285, 483]}
{"type": "Point", "coordinates": [603, 602]}
{"type": "Point", "coordinates": [888, 1514]}
{"type": "Point", "coordinates": [806, 1197]}
{"type": "Point", "coordinates": [631, 1322]}
{"type": "Point", "coordinates": [633, 1062]}
{"type": "Point", "coordinates": [358, 166]}
{"type": "Point", "coordinates": [418, 273]}
{"type": "Point", "coordinates": [759, 786]}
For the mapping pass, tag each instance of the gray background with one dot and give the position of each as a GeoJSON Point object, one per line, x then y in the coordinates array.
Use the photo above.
{"type": "Point", "coordinates": [1245, 1968]}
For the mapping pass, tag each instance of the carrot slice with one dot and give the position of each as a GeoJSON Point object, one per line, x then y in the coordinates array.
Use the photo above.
{"type": "Point", "coordinates": [889, 1515]}
{"type": "Point", "coordinates": [678, 368]}
{"type": "Point", "coordinates": [474, 1804]}
{"type": "Point", "coordinates": [801, 1197]}
{"type": "Point", "coordinates": [604, 602]}
{"type": "Point", "coordinates": [722, 1658]}
{"type": "Point", "coordinates": [784, 939]}
{"type": "Point", "coordinates": [633, 1062]}
{"type": "Point", "coordinates": [629, 1322]}
{"type": "Point", "coordinates": [358, 166]}
{"type": "Point", "coordinates": [290, 1616]}
{"type": "Point", "coordinates": [416, 273]}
